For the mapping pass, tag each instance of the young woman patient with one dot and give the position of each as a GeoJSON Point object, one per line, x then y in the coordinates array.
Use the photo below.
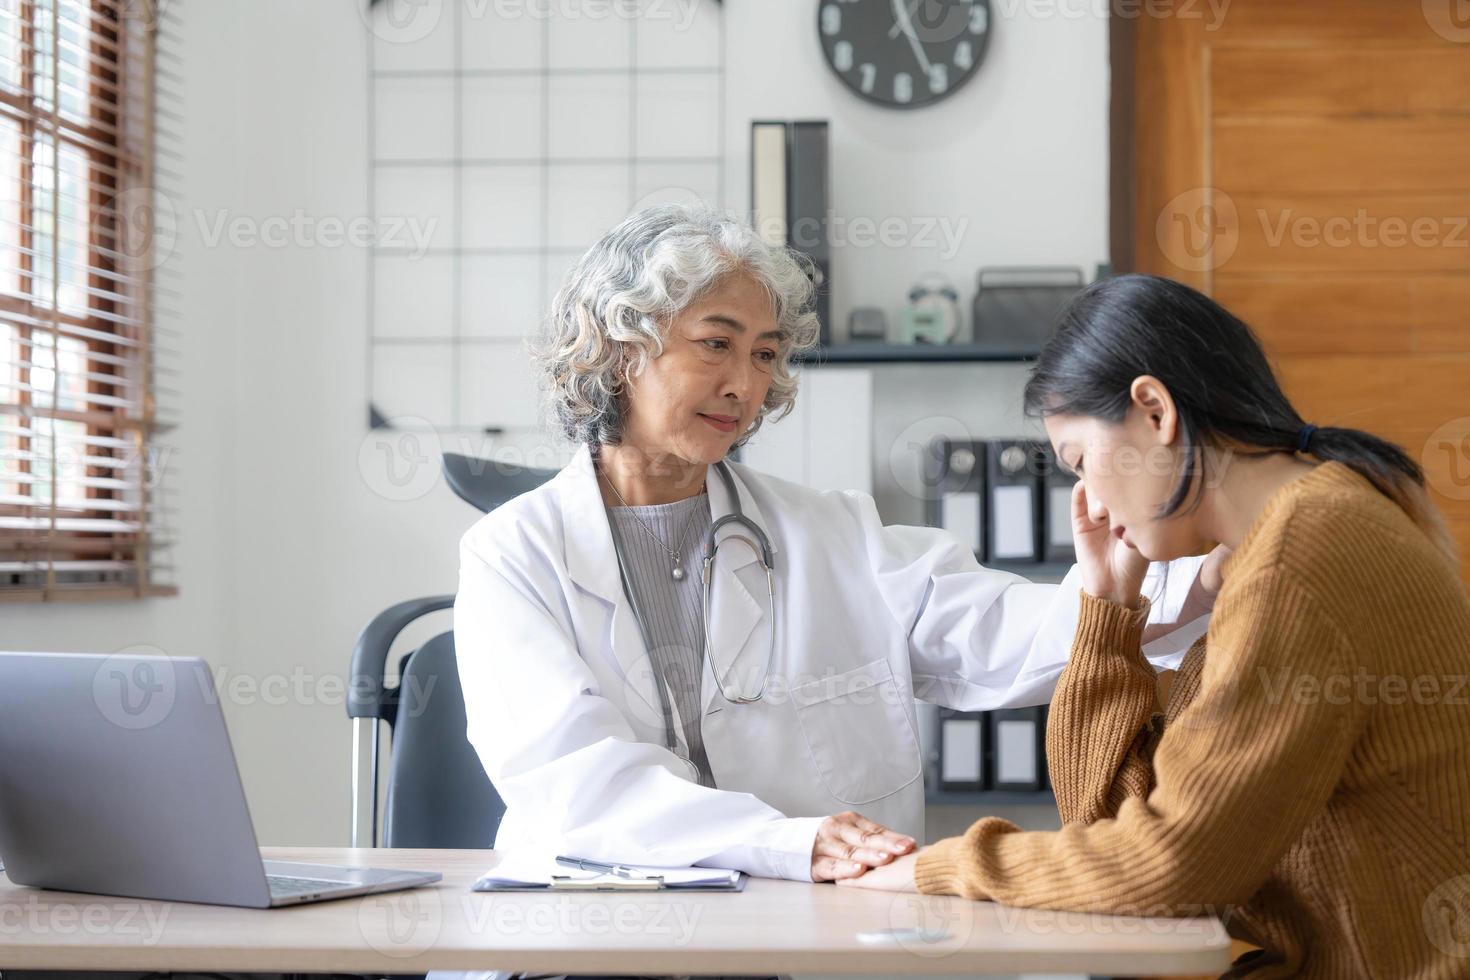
{"type": "Point", "coordinates": [1308, 779]}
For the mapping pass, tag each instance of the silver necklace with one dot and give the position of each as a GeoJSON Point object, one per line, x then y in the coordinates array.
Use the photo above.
{"type": "Point", "coordinates": [677, 557]}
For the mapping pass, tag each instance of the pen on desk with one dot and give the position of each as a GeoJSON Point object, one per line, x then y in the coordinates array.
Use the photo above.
{"type": "Point", "coordinates": [622, 871]}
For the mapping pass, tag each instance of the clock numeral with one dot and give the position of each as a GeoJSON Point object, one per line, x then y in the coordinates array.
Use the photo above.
{"type": "Point", "coordinates": [842, 56]}
{"type": "Point", "coordinates": [870, 77]}
{"type": "Point", "coordinates": [979, 19]}
{"type": "Point", "coordinates": [831, 19]}
{"type": "Point", "coordinates": [964, 56]}
{"type": "Point", "coordinates": [903, 87]}
{"type": "Point", "coordinates": [938, 78]}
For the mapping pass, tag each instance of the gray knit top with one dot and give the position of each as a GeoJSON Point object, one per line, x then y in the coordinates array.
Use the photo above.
{"type": "Point", "coordinates": [674, 611]}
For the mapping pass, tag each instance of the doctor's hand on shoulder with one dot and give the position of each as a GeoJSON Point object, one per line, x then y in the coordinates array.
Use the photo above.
{"type": "Point", "coordinates": [849, 844]}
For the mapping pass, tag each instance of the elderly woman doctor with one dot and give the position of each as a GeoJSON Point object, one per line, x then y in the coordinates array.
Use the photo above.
{"type": "Point", "coordinates": [633, 704]}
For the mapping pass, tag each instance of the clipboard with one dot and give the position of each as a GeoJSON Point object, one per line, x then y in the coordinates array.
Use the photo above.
{"type": "Point", "coordinates": [609, 885]}
{"type": "Point", "coordinates": [521, 874]}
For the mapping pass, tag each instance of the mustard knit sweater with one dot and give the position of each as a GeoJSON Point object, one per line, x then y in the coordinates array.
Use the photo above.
{"type": "Point", "coordinates": [1308, 781]}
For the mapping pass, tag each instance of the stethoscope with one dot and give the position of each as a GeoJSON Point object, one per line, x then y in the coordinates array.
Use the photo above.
{"type": "Point", "coordinates": [756, 540]}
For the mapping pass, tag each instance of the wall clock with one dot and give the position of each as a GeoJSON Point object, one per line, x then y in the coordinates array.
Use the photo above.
{"type": "Point", "coordinates": [904, 53]}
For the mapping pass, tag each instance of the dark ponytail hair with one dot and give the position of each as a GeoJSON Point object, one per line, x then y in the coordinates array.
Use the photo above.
{"type": "Point", "coordinates": [1223, 388]}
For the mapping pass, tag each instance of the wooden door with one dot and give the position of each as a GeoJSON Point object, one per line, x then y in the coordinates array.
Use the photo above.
{"type": "Point", "coordinates": [1308, 165]}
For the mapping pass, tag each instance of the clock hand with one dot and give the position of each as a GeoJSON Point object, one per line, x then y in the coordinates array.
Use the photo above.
{"type": "Point", "coordinates": [902, 15]}
{"type": "Point", "coordinates": [898, 24]}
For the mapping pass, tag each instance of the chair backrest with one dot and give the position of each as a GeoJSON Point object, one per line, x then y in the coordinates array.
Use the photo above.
{"type": "Point", "coordinates": [488, 483]}
{"type": "Point", "coordinates": [438, 794]}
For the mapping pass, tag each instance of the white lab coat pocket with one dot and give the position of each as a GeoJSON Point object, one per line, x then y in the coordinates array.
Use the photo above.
{"type": "Point", "coordinates": [858, 729]}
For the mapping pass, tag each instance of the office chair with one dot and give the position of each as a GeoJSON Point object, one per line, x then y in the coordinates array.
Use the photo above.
{"type": "Point", "coordinates": [438, 794]}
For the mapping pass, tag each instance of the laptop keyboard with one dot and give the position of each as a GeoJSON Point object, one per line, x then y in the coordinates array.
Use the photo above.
{"type": "Point", "coordinates": [284, 886]}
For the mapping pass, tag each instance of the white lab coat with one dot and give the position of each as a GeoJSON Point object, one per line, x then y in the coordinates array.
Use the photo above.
{"type": "Point", "coordinates": [564, 715]}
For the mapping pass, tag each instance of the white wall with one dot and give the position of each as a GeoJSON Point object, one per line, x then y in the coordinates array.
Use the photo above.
{"type": "Point", "coordinates": [1018, 159]}
{"type": "Point", "coordinates": [288, 543]}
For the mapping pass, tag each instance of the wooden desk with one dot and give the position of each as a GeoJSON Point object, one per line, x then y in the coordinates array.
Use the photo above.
{"type": "Point", "coordinates": [772, 927]}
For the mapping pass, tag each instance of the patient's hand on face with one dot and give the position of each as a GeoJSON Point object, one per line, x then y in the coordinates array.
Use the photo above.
{"type": "Point", "coordinates": [848, 844]}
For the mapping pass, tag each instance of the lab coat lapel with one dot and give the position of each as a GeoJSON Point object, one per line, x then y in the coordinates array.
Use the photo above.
{"type": "Point", "coordinates": [592, 563]}
{"type": "Point", "coordinates": [736, 648]}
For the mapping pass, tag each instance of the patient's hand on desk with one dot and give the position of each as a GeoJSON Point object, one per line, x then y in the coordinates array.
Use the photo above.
{"type": "Point", "coordinates": [896, 876]}
{"type": "Point", "coordinates": [848, 844]}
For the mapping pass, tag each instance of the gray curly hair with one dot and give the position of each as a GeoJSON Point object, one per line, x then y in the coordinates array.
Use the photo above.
{"type": "Point", "coordinates": [609, 316]}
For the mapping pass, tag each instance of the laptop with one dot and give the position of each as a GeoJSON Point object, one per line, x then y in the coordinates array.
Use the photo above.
{"type": "Point", "coordinates": [117, 778]}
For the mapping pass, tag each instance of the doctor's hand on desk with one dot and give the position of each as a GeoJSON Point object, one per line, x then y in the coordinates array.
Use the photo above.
{"type": "Point", "coordinates": [897, 876]}
{"type": "Point", "coordinates": [848, 844]}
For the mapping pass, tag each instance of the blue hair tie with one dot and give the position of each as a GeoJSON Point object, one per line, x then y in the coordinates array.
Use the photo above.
{"type": "Point", "coordinates": [1304, 437]}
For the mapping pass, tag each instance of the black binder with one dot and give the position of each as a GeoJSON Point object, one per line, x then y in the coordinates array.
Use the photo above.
{"type": "Point", "coordinates": [1056, 509]}
{"type": "Point", "coordinates": [1013, 502]}
{"type": "Point", "coordinates": [1018, 749]}
{"type": "Point", "coordinates": [962, 750]}
{"type": "Point", "coordinates": [954, 481]}
{"type": "Point", "coordinates": [804, 181]}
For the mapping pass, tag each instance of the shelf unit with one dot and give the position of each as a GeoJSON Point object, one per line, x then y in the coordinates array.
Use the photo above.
{"type": "Point", "coordinates": [990, 797]}
{"type": "Point", "coordinates": [860, 352]}
{"type": "Point", "coordinates": [1046, 571]}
